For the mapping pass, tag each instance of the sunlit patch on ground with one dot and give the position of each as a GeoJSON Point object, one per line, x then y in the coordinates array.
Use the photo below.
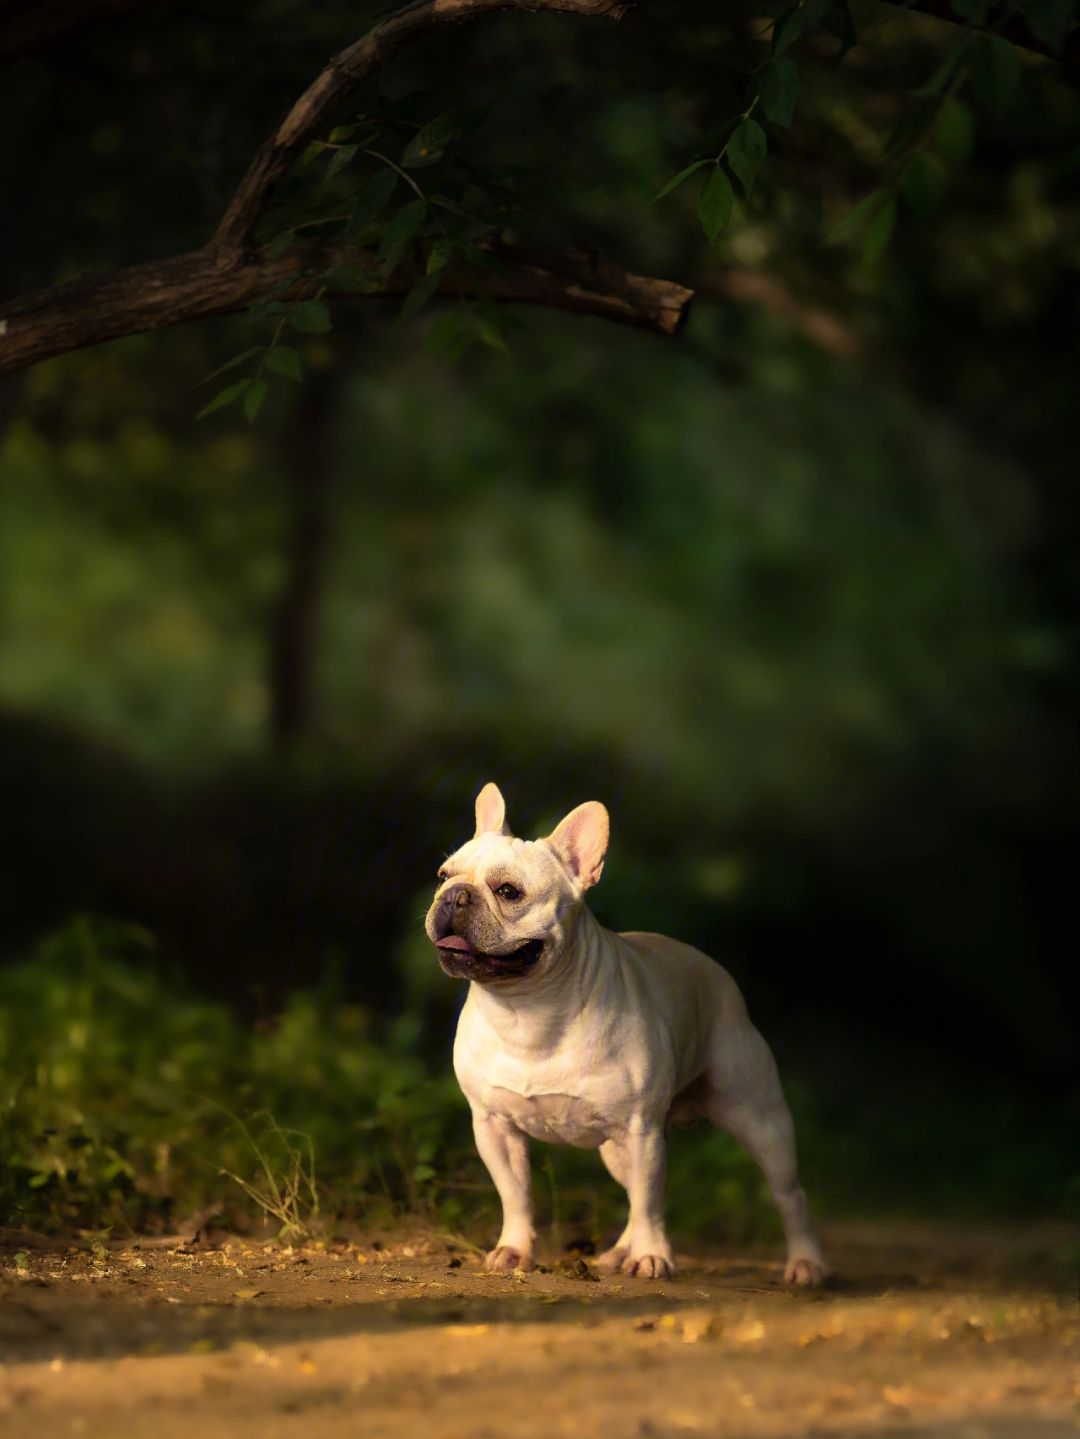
{"type": "Point", "coordinates": [929, 1332]}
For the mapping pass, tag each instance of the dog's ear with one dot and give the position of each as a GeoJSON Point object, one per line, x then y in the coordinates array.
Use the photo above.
{"type": "Point", "coordinates": [581, 840]}
{"type": "Point", "coordinates": [491, 811]}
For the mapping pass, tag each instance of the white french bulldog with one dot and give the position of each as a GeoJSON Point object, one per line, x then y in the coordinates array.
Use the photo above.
{"type": "Point", "coordinates": [574, 1034]}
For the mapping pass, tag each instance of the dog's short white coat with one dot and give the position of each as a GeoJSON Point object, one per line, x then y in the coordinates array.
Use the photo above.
{"type": "Point", "coordinates": [606, 1041]}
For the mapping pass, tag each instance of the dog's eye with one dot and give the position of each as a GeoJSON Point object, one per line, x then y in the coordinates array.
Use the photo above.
{"type": "Point", "coordinates": [442, 874]}
{"type": "Point", "coordinates": [508, 891]}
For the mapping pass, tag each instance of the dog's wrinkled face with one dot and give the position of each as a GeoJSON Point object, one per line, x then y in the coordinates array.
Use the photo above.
{"type": "Point", "coordinates": [502, 903]}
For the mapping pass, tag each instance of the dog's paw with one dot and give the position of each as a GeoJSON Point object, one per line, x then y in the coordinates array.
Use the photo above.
{"type": "Point", "coordinates": [611, 1258]}
{"type": "Point", "coordinates": [648, 1266]}
{"type": "Point", "coordinates": [504, 1258]}
{"type": "Point", "coordinates": [805, 1273]}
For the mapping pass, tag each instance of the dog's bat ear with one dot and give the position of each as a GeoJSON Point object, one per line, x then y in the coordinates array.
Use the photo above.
{"type": "Point", "coordinates": [581, 840]}
{"type": "Point", "coordinates": [491, 811]}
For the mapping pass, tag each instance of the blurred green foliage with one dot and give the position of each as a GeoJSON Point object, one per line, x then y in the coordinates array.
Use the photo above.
{"type": "Point", "coordinates": [128, 1103]}
{"type": "Point", "coordinates": [669, 567]}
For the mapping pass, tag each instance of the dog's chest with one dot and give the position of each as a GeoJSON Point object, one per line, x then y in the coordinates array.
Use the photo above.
{"type": "Point", "coordinates": [555, 1118]}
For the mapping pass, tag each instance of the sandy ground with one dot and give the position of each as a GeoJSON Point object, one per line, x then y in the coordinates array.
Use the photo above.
{"type": "Point", "coordinates": [927, 1331]}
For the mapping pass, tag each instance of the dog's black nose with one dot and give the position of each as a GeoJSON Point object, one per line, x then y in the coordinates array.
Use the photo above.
{"type": "Point", "coordinates": [453, 905]}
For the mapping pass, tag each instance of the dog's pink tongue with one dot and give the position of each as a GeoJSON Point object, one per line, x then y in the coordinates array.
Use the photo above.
{"type": "Point", "coordinates": [454, 941]}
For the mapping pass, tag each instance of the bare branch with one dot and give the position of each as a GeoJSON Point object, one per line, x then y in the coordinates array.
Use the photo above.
{"type": "Point", "coordinates": [762, 291]}
{"type": "Point", "coordinates": [341, 75]}
{"type": "Point", "coordinates": [194, 286]}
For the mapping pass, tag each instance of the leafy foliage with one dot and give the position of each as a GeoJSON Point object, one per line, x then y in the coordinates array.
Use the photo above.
{"type": "Point", "coordinates": [934, 133]}
{"type": "Point", "coordinates": [341, 191]}
{"type": "Point", "coordinates": [127, 1103]}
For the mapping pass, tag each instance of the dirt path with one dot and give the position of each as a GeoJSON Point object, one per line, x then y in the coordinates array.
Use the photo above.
{"type": "Point", "coordinates": [927, 1332]}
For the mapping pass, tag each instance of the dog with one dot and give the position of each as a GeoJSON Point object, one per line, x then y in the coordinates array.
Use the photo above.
{"type": "Point", "coordinates": [573, 1034]}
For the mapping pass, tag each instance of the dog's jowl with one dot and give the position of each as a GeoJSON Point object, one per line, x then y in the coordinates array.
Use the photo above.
{"type": "Point", "coordinates": [576, 1035]}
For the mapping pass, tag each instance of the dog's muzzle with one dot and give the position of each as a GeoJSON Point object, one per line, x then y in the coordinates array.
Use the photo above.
{"type": "Point", "coordinates": [457, 953]}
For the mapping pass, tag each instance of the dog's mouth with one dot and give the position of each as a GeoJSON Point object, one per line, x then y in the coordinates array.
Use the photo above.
{"type": "Point", "coordinates": [457, 957]}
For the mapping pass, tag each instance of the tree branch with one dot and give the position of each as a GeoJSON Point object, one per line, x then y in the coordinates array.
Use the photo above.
{"type": "Point", "coordinates": [226, 276]}
{"type": "Point", "coordinates": [755, 288]}
{"type": "Point", "coordinates": [196, 285]}
{"type": "Point", "coordinates": [341, 75]}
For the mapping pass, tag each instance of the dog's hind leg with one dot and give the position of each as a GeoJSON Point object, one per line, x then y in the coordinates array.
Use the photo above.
{"type": "Point", "coordinates": [747, 1100]}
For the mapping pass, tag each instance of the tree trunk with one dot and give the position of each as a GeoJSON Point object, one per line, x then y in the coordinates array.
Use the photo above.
{"type": "Point", "coordinates": [294, 618]}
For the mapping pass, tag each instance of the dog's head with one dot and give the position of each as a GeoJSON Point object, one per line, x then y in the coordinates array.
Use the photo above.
{"type": "Point", "coordinates": [503, 905]}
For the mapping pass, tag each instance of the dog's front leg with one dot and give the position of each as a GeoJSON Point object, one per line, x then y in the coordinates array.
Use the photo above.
{"type": "Point", "coordinates": [642, 1158]}
{"type": "Point", "coordinates": [505, 1151]}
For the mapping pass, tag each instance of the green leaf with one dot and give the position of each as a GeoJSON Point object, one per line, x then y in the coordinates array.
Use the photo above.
{"type": "Point", "coordinates": [994, 68]}
{"type": "Point", "coordinates": [283, 360]}
{"type": "Point", "coordinates": [419, 295]}
{"type": "Point", "coordinates": [910, 127]}
{"type": "Point", "coordinates": [371, 200]}
{"type": "Point", "coordinates": [489, 324]}
{"type": "Point", "coordinates": [265, 309]}
{"type": "Point", "coordinates": [231, 364]}
{"type": "Point", "coordinates": [451, 333]}
{"type": "Point", "coordinates": [360, 278]}
{"type": "Point", "coordinates": [787, 29]}
{"type": "Point", "coordinates": [341, 133]}
{"type": "Point", "coordinates": [311, 153]}
{"type": "Point", "coordinates": [879, 229]}
{"type": "Point", "coordinates": [440, 254]}
{"type": "Point", "coordinates": [923, 183]}
{"type": "Point", "coordinates": [794, 21]}
{"type": "Point", "coordinates": [676, 180]}
{"type": "Point", "coordinates": [932, 88]}
{"type": "Point", "coordinates": [714, 207]}
{"type": "Point", "coordinates": [253, 398]}
{"type": "Point", "coordinates": [954, 133]}
{"type": "Point", "coordinates": [1049, 21]}
{"type": "Point", "coordinates": [491, 336]}
{"type": "Point", "coordinates": [22, 1259]}
{"type": "Point", "coordinates": [777, 87]}
{"type": "Point", "coordinates": [340, 159]}
{"type": "Point", "coordinates": [855, 216]}
{"type": "Point", "coordinates": [401, 231]}
{"type": "Point", "coordinates": [477, 258]}
{"type": "Point", "coordinates": [429, 144]}
{"type": "Point", "coordinates": [310, 316]}
{"type": "Point", "coordinates": [225, 397]}
{"type": "Point", "coordinates": [746, 151]}
{"type": "Point", "coordinates": [423, 1172]}
{"type": "Point", "coordinates": [838, 21]}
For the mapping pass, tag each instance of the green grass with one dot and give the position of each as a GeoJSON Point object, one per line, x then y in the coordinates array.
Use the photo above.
{"type": "Point", "coordinates": [128, 1103]}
